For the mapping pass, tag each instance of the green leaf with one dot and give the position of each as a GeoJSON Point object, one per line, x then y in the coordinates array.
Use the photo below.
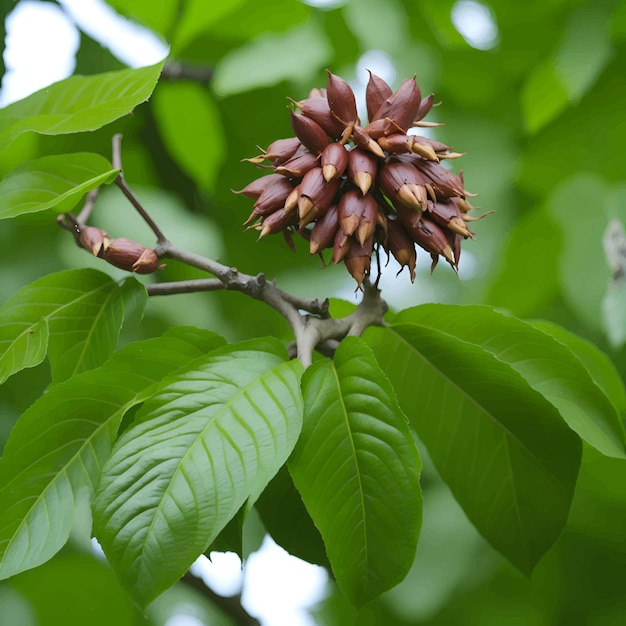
{"type": "Point", "coordinates": [194, 138]}
{"type": "Point", "coordinates": [53, 457]}
{"type": "Point", "coordinates": [546, 364]}
{"type": "Point", "coordinates": [286, 519]}
{"type": "Point", "coordinates": [585, 49]}
{"type": "Point", "coordinates": [78, 103]}
{"type": "Point", "coordinates": [209, 440]}
{"type": "Point", "coordinates": [357, 469]}
{"type": "Point", "coordinates": [598, 364]}
{"type": "Point", "coordinates": [543, 96]}
{"type": "Point", "coordinates": [76, 314]}
{"type": "Point", "coordinates": [504, 450]}
{"type": "Point", "coordinates": [271, 58]}
{"type": "Point", "coordinates": [59, 180]}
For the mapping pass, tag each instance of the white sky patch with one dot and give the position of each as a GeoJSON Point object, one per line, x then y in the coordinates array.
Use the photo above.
{"type": "Point", "coordinates": [134, 45]}
{"type": "Point", "coordinates": [279, 588]}
{"type": "Point", "coordinates": [41, 44]}
{"type": "Point", "coordinates": [476, 24]}
{"type": "Point", "coordinates": [325, 4]}
{"type": "Point", "coordinates": [222, 572]}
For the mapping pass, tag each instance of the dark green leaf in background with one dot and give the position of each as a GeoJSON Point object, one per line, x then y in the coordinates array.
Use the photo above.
{"type": "Point", "coordinates": [210, 439]}
{"type": "Point", "coordinates": [503, 449]}
{"type": "Point", "coordinates": [53, 181]}
{"type": "Point", "coordinates": [54, 455]}
{"type": "Point", "coordinates": [357, 469]}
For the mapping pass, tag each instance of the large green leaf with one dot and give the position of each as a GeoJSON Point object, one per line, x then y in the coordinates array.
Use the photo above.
{"type": "Point", "coordinates": [598, 364]}
{"type": "Point", "coordinates": [59, 180]}
{"type": "Point", "coordinates": [78, 103]}
{"type": "Point", "coordinates": [546, 364]}
{"type": "Point", "coordinates": [504, 450]}
{"type": "Point", "coordinates": [357, 469]}
{"type": "Point", "coordinates": [54, 455]}
{"type": "Point", "coordinates": [210, 439]}
{"type": "Point", "coordinates": [75, 314]}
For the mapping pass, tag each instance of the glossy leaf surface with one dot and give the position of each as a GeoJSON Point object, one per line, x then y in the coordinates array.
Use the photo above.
{"type": "Point", "coordinates": [54, 455]}
{"type": "Point", "coordinates": [209, 440]}
{"type": "Point", "coordinates": [53, 181]}
{"type": "Point", "coordinates": [357, 469]}
{"type": "Point", "coordinates": [504, 450]}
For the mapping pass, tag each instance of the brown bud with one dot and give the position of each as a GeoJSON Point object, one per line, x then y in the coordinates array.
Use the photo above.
{"type": "Point", "coordinates": [362, 168]}
{"type": "Point", "coordinates": [277, 221]}
{"type": "Point", "coordinates": [400, 181]}
{"type": "Point", "coordinates": [358, 259]}
{"type": "Point", "coordinates": [402, 107]}
{"type": "Point", "coordinates": [309, 132]}
{"type": "Point", "coordinates": [425, 106]}
{"type": "Point", "coordinates": [363, 140]}
{"type": "Point", "coordinates": [256, 187]}
{"type": "Point", "coordinates": [376, 92]}
{"type": "Point", "coordinates": [400, 244]}
{"type": "Point", "coordinates": [447, 214]}
{"type": "Point", "coordinates": [315, 195]}
{"type": "Point", "coordinates": [298, 165]}
{"type": "Point", "coordinates": [341, 100]}
{"type": "Point", "coordinates": [430, 237]}
{"type": "Point", "coordinates": [325, 229]}
{"type": "Point", "coordinates": [273, 197]}
{"type": "Point", "coordinates": [281, 150]}
{"type": "Point", "coordinates": [318, 110]}
{"type": "Point", "coordinates": [340, 246]}
{"type": "Point", "coordinates": [350, 209]}
{"type": "Point", "coordinates": [93, 239]}
{"type": "Point", "coordinates": [444, 181]}
{"type": "Point", "coordinates": [131, 256]}
{"type": "Point", "coordinates": [334, 160]}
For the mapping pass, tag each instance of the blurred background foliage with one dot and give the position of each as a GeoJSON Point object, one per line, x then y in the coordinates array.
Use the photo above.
{"type": "Point", "coordinates": [538, 106]}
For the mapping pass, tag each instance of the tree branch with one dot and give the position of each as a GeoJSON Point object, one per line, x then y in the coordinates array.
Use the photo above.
{"type": "Point", "coordinates": [229, 605]}
{"type": "Point", "coordinates": [309, 318]}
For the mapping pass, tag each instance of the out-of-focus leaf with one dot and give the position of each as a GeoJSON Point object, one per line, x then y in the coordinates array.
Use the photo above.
{"type": "Point", "coordinates": [583, 270]}
{"type": "Point", "coordinates": [74, 589]}
{"type": "Point", "coordinates": [209, 440]}
{"type": "Point", "coordinates": [76, 314]}
{"type": "Point", "coordinates": [297, 54]}
{"type": "Point", "coordinates": [53, 181]}
{"type": "Point", "coordinates": [585, 48]}
{"type": "Point", "coordinates": [543, 96]}
{"type": "Point", "coordinates": [159, 15]}
{"type": "Point", "coordinates": [357, 469]}
{"type": "Point", "coordinates": [191, 128]}
{"type": "Point", "coordinates": [504, 450]}
{"type": "Point", "coordinates": [56, 450]}
{"type": "Point", "coordinates": [598, 364]}
{"type": "Point", "coordinates": [78, 103]}
{"type": "Point", "coordinates": [528, 279]}
{"type": "Point", "coordinates": [547, 365]}
{"type": "Point", "coordinates": [199, 16]}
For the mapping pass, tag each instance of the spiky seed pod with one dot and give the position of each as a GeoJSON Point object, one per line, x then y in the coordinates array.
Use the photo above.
{"type": "Point", "coordinates": [401, 246]}
{"type": "Point", "coordinates": [334, 160]}
{"type": "Point", "coordinates": [93, 239]}
{"type": "Point", "coordinates": [341, 100]}
{"type": "Point", "coordinates": [362, 168]}
{"type": "Point", "coordinates": [376, 92]}
{"type": "Point", "coordinates": [309, 132]}
{"type": "Point", "coordinates": [358, 187]}
{"type": "Point", "coordinates": [325, 229]}
{"type": "Point", "coordinates": [131, 256]}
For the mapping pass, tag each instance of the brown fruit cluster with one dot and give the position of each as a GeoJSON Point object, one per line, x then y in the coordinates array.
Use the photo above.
{"type": "Point", "coordinates": [123, 253]}
{"type": "Point", "coordinates": [354, 188]}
